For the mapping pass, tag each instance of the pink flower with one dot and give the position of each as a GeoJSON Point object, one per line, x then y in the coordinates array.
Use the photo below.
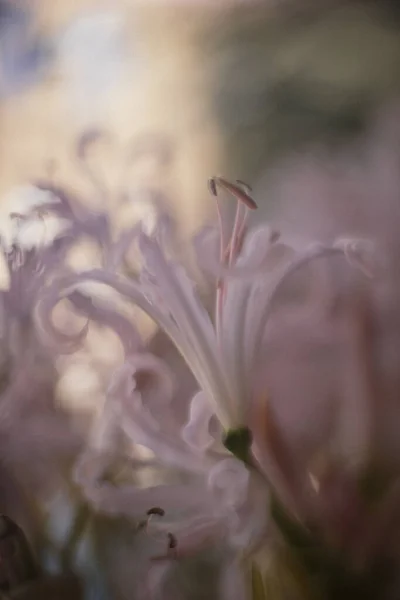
{"type": "Point", "coordinates": [226, 446]}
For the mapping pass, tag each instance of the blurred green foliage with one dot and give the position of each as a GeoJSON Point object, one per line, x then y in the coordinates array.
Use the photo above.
{"type": "Point", "coordinates": [280, 83]}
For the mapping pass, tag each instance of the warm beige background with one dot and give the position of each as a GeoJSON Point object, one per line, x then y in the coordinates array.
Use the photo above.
{"type": "Point", "coordinates": [161, 91]}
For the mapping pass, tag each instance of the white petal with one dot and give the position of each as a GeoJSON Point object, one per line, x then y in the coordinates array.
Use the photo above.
{"type": "Point", "coordinates": [242, 500]}
{"type": "Point", "coordinates": [301, 259]}
{"type": "Point", "coordinates": [233, 584]}
{"type": "Point", "coordinates": [197, 432]}
{"type": "Point", "coordinates": [187, 311]}
{"type": "Point", "coordinates": [147, 417]}
{"type": "Point", "coordinates": [133, 501]}
{"type": "Point", "coordinates": [242, 306]}
{"type": "Point", "coordinates": [228, 481]}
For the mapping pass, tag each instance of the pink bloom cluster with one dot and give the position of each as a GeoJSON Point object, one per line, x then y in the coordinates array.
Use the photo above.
{"type": "Point", "coordinates": [276, 429]}
{"type": "Point", "coordinates": [282, 433]}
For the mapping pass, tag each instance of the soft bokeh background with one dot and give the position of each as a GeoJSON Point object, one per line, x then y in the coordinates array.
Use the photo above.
{"type": "Point", "coordinates": [107, 65]}
{"type": "Point", "coordinates": [287, 97]}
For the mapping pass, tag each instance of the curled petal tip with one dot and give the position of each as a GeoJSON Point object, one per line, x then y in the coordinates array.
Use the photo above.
{"type": "Point", "coordinates": [87, 139]}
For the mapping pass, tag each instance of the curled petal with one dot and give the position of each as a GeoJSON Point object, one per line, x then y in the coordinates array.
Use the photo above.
{"type": "Point", "coordinates": [132, 501]}
{"type": "Point", "coordinates": [141, 392]}
{"type": "Point", "coordinates": [241, 500]}
{"type": "Point", "coordinates": [106, 432]}
{"type": "Point", "coordinates": [358, 252]}
{"type": "Point", "coordinates": [194, 533]}
{"type": "Point", "coordinates": [192, 536]}
{"type": "Point", "coordinates": [314, 252]}
{"type": "Point", "coordinates": [67, 285]}
{"type": "Point", "coordinates": [131, 289]}
{"type": "Point", "coordinates": [57, 339]}
{"type": "Point", "coordinates": [107, 316]}
{"type": "Point", "coordinates": [147, 375]}
{"type": "Point", "coordinates": [117, 253]}
{"type": "Point", "coordinates": [83, 221]}
{"type": "Point", "coordinates": [197, 432]}
{"type": "Point", "coordinates": [199, 532]}
{"type": "Point", "coordinates": [187, 322]}
{"type": "Point", "coordinates": [89, 138]}
{"type": "Point", "coordinates": [228, 481]}
{"type": "Point", "coordinates": [90, 469]}
{"type": "Point", "coordinates": [63, 202]}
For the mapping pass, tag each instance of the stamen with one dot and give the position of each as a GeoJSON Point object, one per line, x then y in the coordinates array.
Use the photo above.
{"type": "Point", "coordinates": [236, 189]}
{"type": "Point", "coordinates": [142, 525]}
{"type": "Point", "coordinates": [212, 186]}
{"type": "Point", "coordinates": [221, 233]}
{"type": "Point", "coordinates": [229, 250]}
{"type": "Point", "coordinates": [152, 512]}
{"type": "Point", "coordinates": [172, 541]}
{"type": "Point", "coordinates": [156, 510]}
{"type": "Point", "coordinates": [237, 226]}
{"type": "Point", "coordinates": [247, 188]}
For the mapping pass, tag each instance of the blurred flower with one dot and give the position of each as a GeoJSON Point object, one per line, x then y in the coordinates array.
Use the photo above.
{"type": "Point", "coordinates": [27, 403]}
{"type": "Point", "coordinates": [240, 477]}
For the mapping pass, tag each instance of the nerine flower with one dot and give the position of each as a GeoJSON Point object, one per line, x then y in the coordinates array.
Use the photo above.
{"type": "Point", "coordinates": [237, 474]}
{"type": "Point", "coordinates": [37, 439]}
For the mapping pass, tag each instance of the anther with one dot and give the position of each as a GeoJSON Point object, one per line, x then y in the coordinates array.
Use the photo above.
{"type": "Point", "coordinates": [212, 186]}
{"type": "Point", "coordinates": [274, 236]}
{"type": "Point", "coordinates": [172, 543]}
{"type": "Point", "coordinates": [156, 510]}
{"type": "Point", "coordinates": [247, 188]}
{"type": "Point", "coordinates": [152, 512]}
{"type": "Point", "coordinates": [88, 138]}
{"type": "Point", "coordinates": [236, 189]}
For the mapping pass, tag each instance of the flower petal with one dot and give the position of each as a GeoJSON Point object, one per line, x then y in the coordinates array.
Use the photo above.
{"type": "Point", "coordinates": [146, 413]}
{"type": "Point", "coordinates": [241, 500]}
{"type": "Point", "coordinates": [130, 500]}
{"type": "Point", "coordinates": [107, 316]}
{"type": "Point", "coordinates": [233, 582]}
{"type": "Point", "coordinates": [228, 481]}
{"type": "Point", "coordinates": [200, 348]}
{"type": "Point", "coordinates": [197, 433]}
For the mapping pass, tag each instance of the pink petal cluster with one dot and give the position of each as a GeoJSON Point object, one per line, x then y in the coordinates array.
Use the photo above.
{"type": "Point", "coordinates": [270, 422]}
{"type": "Point", "coordinates": [286, 408]}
